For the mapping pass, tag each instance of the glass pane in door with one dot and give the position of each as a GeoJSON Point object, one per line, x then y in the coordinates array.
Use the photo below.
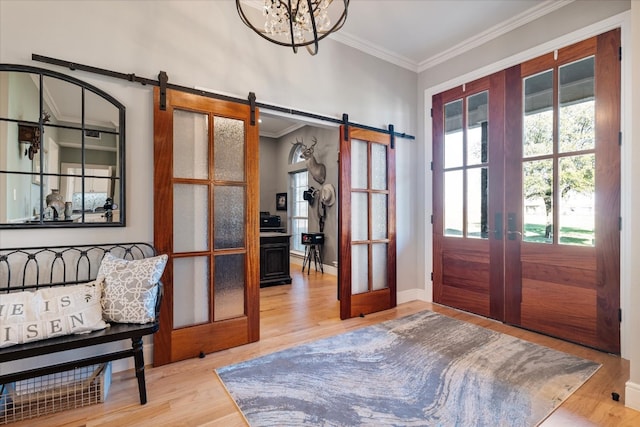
{"type": "Point", "coordinates": [359, 269]}
{"type": "Point", "coordinates": [191, 293]}
{"type": "Point", "coordinates": [228, 149]}
{"type": "Point", "coordinates": [359, 216]}
{"type": "Point", "coordinates": [378, 166]}
{"type": "Point", "coordinates": [359, 164]}
{"type": "Point", "coordinates": [190, 145]}
{"type": "Point", "coordinates": [190, 218]}
{"type": "Point", "coordinates": [477, 128]}
{"type": "Point", "coordinates": [477, 202]}
{"type": "Point", "coordinates": [453, 203]}
{"type": "Point", "coordinates": [229, 284]}
{"type": "Point", "coordinates": [576, 178]}
{"type": "Point", "coordinates": [577, 106]}
{"type": "Point", "coordinates": [538, 115]}
{"type": "Point", "coordinates": [229, 217]}
{"type": "Point", "coordinates": [453, 135]}
{"type": "Point", "coordinates": [378, 216]}
{"type": "Point", "coordinates": [379, 266]}
{"type": "Point", "coordinates": [537, 179]}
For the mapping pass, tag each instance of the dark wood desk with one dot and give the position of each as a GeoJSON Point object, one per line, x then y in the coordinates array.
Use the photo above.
{"type": "Point", "coordinates": [274, 259]}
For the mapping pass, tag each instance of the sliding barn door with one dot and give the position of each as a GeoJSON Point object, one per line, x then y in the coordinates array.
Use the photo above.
{"type": "Point", "coordinates": [526, 215]}
{"type": "Point", "coordinates": [206, 220]}
{"type": "Point", "coordinates": [367, 223]}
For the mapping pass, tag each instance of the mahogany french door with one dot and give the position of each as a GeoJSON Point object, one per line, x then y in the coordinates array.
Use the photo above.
{"type": "Point", "coordinates": [206, 219]}
{"type": "Point", "coordinates": [468, 177]}
{"type": "Point", "coordinates": [367, 223]}
{"type": "Point", "coordinates": [549, 260]}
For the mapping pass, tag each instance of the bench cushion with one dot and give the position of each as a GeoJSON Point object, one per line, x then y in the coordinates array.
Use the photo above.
{"type": "Point", "coordinates": [130, 288]}
{"type": "Point", "coordinates": [50, 312]}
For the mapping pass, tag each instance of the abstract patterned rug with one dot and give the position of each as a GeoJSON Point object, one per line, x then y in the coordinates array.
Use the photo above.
{"type": "Point", "coordinates": [425, 369]}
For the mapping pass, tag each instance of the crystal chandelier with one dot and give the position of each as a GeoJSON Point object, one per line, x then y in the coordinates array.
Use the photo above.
{"type": "Point", "coordinates": [297, 23]}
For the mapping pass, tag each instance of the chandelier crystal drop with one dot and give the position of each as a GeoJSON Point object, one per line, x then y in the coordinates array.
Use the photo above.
{"type": "Point", "coordinates": [296, 23]}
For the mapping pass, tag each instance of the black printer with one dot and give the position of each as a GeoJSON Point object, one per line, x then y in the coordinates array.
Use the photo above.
{"type": "Point", "coordinates": [270, 222]}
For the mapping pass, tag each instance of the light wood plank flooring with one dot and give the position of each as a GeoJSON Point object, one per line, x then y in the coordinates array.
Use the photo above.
{"type": "Point", "coordinates": [188, 393]}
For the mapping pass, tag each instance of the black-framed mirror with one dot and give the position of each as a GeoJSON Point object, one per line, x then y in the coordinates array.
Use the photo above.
{"type": "Point", "coordinates": [61, 151]}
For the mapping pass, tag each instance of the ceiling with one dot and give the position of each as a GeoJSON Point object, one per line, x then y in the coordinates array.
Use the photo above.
{"type": "Point", "coordinates": [419, 34]}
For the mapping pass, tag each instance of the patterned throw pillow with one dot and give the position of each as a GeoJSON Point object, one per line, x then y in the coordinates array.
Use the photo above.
{"type": "Point", "coordinates": [50, 312]}
{"type": "Point", "coordinates": [130, 288]}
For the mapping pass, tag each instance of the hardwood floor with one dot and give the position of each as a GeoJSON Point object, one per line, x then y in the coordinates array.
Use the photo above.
{"type": "Point", "coordinates": [188, 393]}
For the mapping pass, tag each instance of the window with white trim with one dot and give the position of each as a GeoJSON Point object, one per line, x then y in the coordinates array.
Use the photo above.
{"type": "Point", "coordinates": [300, 209]}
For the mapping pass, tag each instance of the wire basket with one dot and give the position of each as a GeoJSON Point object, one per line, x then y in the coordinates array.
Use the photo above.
{"type": "Point", "coordinates": [57, 392]}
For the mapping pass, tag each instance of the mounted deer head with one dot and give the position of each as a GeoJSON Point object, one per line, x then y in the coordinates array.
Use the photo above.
{"type": "Point", "coordinates": [317, 170]}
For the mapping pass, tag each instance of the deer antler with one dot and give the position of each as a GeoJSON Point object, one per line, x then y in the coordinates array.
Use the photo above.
{"type": "Point", "coordinates": [299, 143]}
{"type": "Point", "coordinates": [315, 141]}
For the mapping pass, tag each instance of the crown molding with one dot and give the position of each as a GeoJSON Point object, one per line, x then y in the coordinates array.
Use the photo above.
{"type": "Point", "coordinates": [495, 32]}
{"type": "Point", "coordinates": [283, 132]}
{"type": "Point", "coordinates": [519, 20]}
{"type": "Point", "coordinates": [374, 50]}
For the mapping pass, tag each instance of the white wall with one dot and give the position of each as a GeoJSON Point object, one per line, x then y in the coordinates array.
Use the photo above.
{"type": "Point", "coordinates": [268, 172]}
{"type": "Point", "coordinates": [572, 23]}
{"type": "Point", "coordinates": [204, 44]}
{"type": "Point", "coordinates": [632, 275]}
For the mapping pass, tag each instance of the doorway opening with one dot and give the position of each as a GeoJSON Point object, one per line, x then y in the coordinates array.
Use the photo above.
{"type": "Point", "coordinates": [284, 170]}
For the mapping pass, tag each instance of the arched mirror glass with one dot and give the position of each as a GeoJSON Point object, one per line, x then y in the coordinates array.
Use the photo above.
{"type": "Point", "coordinates": [61, 151]}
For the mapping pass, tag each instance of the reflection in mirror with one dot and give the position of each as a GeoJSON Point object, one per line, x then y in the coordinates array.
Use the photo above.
{"type": "Point", "coordinates": [61, 151]}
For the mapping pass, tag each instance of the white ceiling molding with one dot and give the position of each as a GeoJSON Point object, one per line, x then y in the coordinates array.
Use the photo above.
{"type": "Point", "coordinates": [281, 133]}
{"type": "Point", "coordinates": [374, 50]}
{"type": "Point", "coordinates": [494, 32]}
{"type": "Point", "coordinates": [519, 20]}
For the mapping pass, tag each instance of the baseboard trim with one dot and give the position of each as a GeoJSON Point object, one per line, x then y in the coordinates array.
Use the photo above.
{"type": "Point", "coordinates": [127, 363]}
{"type": "Point", "coordinates": [632, 395]}
{"type": "Point", "coordinates": [328, 269]}
{"type": "Point", "coordinates": [412, 295]}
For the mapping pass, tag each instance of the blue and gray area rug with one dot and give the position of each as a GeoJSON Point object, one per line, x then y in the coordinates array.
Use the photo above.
{"type": "Point", "coordinates": [422, 370]}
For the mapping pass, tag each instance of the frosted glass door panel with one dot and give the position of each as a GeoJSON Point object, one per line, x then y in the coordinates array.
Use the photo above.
{"type": "Point", "coordinates": [379, 266]}
{"type": "Point", "coordinates": [190, 145]}
{"type": "Point", "coordinates": [190, 218]}
{"type": "Point", "coordinates": [378, 166]}
{"type": "Point", "coordinates": [229, 286]}
{"type": "Point", "coordinates": [359, 216]}
{"type": "Point", "coordinates": [229, 216]}
{"type": "Point", "coordinates": [359, 269]}
{"type": "Point", "coordinates": [359, 164]}
{"type": "Point", "coordinates": [228, 149]}
{"type": "Point", "coordinates": [379, 216]}
{"type": "Point", "coordinates": [191, 292]}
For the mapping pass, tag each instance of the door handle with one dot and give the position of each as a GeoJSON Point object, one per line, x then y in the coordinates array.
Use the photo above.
{"type": "Point", "coordinates": [511, 226]}
{"type": "Point", "coordinates": [497, 233]}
